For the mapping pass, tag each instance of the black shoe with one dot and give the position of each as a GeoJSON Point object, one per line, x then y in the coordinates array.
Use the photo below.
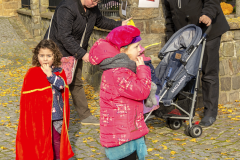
{"type": "Point", "coordinates": [207, 121]}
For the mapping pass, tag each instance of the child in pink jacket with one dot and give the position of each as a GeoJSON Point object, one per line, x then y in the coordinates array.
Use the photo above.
{"type": "Point", "coordinates": [126, 82]}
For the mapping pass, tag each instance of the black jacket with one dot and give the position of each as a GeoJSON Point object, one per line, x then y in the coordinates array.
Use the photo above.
{"type": "Point", "coordinates": [178, 10]}
{"type": "Point", "coordinates": [68, 25]}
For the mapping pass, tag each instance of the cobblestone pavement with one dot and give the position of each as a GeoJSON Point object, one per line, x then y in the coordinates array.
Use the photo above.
{"type": "Point", "coordinates": [221, 141]}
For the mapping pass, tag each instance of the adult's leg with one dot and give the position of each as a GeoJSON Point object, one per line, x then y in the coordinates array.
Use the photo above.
{"type": "Point", "coordinates": [56, 137]}
{"type": "Point", "coordinates": [78, 94]}
{"type": "Point", "coordinates": [132, 156]}
{"type": "Point", "coordinates": [210, 79]}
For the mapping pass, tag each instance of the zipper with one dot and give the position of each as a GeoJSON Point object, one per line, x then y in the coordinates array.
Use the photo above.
{"type": "Point", "coordinates": [135, 123]}
{"type": "Point", "coordinates": [179, 3]}
{"type": "Point", "coordinates": [59, 105]}
{"type": "Point", "coordinates": [81, 43]}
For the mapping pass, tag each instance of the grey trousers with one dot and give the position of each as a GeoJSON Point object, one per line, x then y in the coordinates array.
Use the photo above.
{"type": "Point", "coordinates": [78, 94]}
{"type": "Point", "coordinates": [210, 78]}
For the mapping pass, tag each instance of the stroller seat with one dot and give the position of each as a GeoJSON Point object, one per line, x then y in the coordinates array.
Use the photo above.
{"type": "Point", "coordinates": [181, 59]}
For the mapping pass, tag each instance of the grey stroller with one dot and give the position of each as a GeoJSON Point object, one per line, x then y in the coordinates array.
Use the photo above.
{"type": "Point", "coordinates": [180, 65]}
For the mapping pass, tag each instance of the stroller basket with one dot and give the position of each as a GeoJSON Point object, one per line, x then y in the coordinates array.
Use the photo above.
{"type": "Point", "coordinates": [181, 59]}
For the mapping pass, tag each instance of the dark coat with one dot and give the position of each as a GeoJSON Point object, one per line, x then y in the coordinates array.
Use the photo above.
{"type": "Point", "coordinates": [176, 16]}
{"type": "Point", "coordinates": [68, 25]}
{"type": "Point", "coordinates": [153, 76]}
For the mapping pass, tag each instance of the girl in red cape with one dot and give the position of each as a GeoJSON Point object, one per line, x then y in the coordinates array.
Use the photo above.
{"type": "Point", "coordinates": [44, 108]}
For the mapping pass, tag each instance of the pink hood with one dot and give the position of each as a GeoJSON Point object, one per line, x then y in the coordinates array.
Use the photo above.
{"type": "Point", "coordinates": [101, 50]}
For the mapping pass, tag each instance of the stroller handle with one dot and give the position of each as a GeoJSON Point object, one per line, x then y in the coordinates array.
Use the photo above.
{"type": "Point", "coordinates": [207, 31]}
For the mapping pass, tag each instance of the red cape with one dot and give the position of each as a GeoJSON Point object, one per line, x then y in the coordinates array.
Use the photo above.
{"type": "Point", "coordinates": [34, 135]}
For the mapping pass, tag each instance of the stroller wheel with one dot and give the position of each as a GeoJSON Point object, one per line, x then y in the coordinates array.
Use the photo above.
{"type": "Point", "coordinates": [195, 131]}
{"type": "Point", "coordinates": [187, 129]}
{"type": "Point", "coordinates": [175, 124]}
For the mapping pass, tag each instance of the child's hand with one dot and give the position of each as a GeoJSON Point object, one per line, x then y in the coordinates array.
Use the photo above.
{"type": "Point", "coordinates": [46, 69]}
{"type": "Point", "coordinates": [139, 61]}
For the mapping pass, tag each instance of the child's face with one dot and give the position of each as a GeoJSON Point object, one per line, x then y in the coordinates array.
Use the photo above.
{"type": "Point", "coordinates": [133, 51]}
{"type": "Point", "coordinates": [45, 56]}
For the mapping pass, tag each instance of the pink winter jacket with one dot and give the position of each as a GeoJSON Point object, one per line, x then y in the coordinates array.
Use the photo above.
{"type": "Point", "coordinates": [121, 98]}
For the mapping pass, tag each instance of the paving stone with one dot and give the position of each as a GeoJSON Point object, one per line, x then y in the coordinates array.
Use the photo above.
{"type": "Point", "coordinates": [15, 54]}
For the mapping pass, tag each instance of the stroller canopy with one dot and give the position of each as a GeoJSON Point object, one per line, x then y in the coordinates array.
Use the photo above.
{"type": "Point", "coordinates": [183, 38]}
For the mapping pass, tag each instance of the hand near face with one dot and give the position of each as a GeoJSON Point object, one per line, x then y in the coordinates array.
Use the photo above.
{"type": "Point", "coordinates": [126, 21]}
{"type": "Point", "coordinates": [46, 69]}
{"type": "Point", "coordinates": [85, 58]}
{"type": "Point", "coordinates": [140, 61]}
{"type": "Point", "coordinates": [205, 19]}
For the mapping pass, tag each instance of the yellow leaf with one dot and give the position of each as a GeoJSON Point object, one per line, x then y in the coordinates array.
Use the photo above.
{"type": "Point", "coordinates": [156, 154]}
{"type": "Point", "coordinates": [193, 140]}
{"type": "Point", "coordinates": [160, 157]}
{"type": "Point", "coordinates": [149, 149]}
{"type": "Point", "coordinates": [93, 150]}
{"type": "Point", "coordinates": [184, 144]}
{"type": "Point", "coordinates": [84, 141]}
{"type": "Point", "coordinates": [227, 140]}
{"type": "Point", "coordinates": [154, 141]}
{"type": "Point", "coordinates": [76, 135]}
{"type": "Point", "coordinates": [177, 139]}
{"type": "Point", "coordinates": [7, 134]}
{"type": "Point", "coordinates": [164, 147]}
{"type": "Point", "coordinates": [3, 147]}
{"type": "Point", "coordinates": [173, 152]}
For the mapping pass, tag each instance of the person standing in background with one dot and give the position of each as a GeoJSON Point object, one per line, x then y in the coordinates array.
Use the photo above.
{"type": "Point", "coordinates": [202, 13]}
{"type": "Point", "coordinates": [70, 19]}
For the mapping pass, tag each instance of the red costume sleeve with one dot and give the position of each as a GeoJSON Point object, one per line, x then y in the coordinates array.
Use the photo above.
{"type": "Point", "coordinates": [34, 135]}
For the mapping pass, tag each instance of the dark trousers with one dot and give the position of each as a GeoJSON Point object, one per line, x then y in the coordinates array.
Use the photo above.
{"type": "Point", "coordinates": [132, 156]}
{"type": "Point", "coordinates": [210, 78]}
{"type": "Point", "coordinates": [56, 138]}
{"type": "Point", "coordinates": [78, 94]}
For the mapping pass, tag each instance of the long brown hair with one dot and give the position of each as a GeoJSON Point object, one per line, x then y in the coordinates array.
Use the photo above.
{"type": "Point", "coordinates": [50, 45]}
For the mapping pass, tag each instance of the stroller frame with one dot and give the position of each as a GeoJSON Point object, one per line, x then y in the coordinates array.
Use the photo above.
{"type": "Point", "coordinates": [192, 129]}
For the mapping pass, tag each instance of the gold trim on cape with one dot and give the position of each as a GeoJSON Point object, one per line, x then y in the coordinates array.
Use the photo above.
{"type": "Point", "coordinates": [34, 90]}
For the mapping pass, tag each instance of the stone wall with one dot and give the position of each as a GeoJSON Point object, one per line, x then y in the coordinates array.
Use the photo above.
{"type": "Point", "coordinates": [26, 17]}
{"type": "Point", "coordinates": [9, 7]}
{"type": "Point", "coordinates": [229, 67]}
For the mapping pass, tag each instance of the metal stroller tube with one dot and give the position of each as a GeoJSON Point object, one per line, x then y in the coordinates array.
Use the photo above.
{"type": "Point", "coordinates": [207, 31]}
